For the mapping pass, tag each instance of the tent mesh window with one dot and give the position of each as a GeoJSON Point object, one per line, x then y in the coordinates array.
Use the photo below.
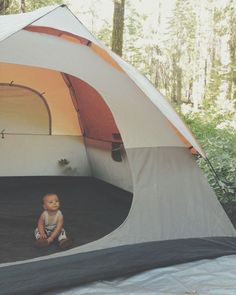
{"type": "Point", "coordinates": [23, 111]}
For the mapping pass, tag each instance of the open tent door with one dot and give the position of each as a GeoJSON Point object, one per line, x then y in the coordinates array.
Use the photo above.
{"type": "Point", "coordinates": [46, 118]}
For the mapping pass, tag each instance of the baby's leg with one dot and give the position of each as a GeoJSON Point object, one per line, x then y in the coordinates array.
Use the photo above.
{"type": "Point", "coordinates": [37, 234]}
{"type": "Point", "coordinates": [39, 241]}
{"type": "Point", "coordinates": [64, 242]}
{"type": "Point", "coordinates": [62, 235]}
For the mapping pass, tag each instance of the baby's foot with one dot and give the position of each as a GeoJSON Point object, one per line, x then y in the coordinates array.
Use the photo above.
{"type": "Point", "coordinates": [42, 243]}
{"type": "Point", "coordinates": [65, 243]}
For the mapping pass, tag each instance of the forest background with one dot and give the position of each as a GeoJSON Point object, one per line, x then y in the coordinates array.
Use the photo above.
{"type": "Point", "coordinates": [187, 49]}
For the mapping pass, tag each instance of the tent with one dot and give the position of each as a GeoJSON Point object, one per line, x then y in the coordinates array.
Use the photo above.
{"type": "Point", "coordinates": [74, 115]}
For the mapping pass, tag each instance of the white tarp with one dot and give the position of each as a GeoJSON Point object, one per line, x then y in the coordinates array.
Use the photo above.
{"type": "Point", "coordinates": [204, 277]}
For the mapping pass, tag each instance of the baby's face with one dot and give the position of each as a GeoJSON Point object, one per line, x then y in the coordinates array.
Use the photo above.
{"type": "Point", "coordinates": [51, 203]}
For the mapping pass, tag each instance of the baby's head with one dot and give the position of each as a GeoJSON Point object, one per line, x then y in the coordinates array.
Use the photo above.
{"type": "Point", "coordinates": [51, 202]}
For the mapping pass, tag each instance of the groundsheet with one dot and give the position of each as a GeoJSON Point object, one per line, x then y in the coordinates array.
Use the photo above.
{"type": "Point", "coordinates": [92, 209]}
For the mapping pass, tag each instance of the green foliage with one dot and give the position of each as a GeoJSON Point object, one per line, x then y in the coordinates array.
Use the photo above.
{"type": "Point", "coordinates": [214, 129]}
{"type": "Point", "coordinates": [32, 5]}
{"type": "Point", "coordinates": [212, 89]}
{"type": "Point", "coordinates": [182, 25]}
{"type": "Point", "coordinates": [133, 33]}
{"type": "Point", "coordinates": [230, 12]}
{"type": "Point", "coordinates": [181, 48]}
{"type": "Point", "coordinates": [15, 5]}
{"type": "Point", "coordinates": [8, 6]}
{"type": "Point", "coordinates": [104, 34]}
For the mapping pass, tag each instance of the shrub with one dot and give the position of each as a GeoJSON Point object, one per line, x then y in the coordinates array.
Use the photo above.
{"type": "Point", "coordinates": [214, 127]}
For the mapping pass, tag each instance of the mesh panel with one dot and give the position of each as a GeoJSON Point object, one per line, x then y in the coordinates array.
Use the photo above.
{"type": "Point", "coordinates": [23, 111]}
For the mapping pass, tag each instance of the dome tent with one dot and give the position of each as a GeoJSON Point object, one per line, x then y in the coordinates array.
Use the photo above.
{"type": "Point", "coordinates": [88, 106]}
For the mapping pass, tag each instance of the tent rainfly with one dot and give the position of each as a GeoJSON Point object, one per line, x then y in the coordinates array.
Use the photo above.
{"type": "Point", "coordinates": [63, 95]}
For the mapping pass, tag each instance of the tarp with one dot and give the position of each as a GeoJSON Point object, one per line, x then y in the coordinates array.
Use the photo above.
{"type": "Point", "coordinates": [204, 277]}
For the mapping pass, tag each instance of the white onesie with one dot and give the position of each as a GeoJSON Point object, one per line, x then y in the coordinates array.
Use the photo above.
{"type": "Point", "coordinates": [50, 224]}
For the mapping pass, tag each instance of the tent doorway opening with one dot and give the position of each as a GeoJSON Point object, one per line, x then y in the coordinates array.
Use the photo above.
{"type": "Point", "coordinates": [92, 209]}
{"type": "Point", "coordinates": [57, 136]}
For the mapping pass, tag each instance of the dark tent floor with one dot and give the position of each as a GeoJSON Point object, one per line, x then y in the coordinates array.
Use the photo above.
{"type": "Point", "coordinates": [91, 208]}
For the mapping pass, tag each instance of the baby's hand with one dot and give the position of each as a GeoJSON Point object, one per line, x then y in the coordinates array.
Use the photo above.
{"type": "Point", "coordinates": [50, 240]}
{"type": "Point", "coordinates": [43, 236]}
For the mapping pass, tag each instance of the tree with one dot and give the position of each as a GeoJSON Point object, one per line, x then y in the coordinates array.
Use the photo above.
{"type": "Point", "coordinates": [23, 6]}
{"type": "Point", "coordinates": [181, 49]}
{"type": "Point", "coordinates": [214, 64]}
{"type": "Point", "coordinates": [30, 5]}
{"type": "Point", "coordinates": [230, 11]}
{"type": "Point", "coordinates": [15, 6]}
{"type": "Point", "coordinates": [118, 26]}
{"type": "Point", "coordinates": [133, 52]}
{"type": "Point", "coordinates": [155, 60]}
{"type": "Point", "coordinates": [4, 5]}
{"type": "Point", "coordinates": [105, 33]}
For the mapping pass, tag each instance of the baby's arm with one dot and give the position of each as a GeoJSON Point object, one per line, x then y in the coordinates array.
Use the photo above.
{"type": "Point", "coordinates": [57, 229]}
{"type": "Point", "coordinates": [41, 227]}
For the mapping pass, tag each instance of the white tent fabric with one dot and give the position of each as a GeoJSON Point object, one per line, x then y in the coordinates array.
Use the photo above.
{"type": "Point", "coordinates": [72, 25]}
{"type": "Point", "coordinates": [204, 277]}
{"type": "Point", "coordinates": [158, 99]}
{"type": "Point", "coordinates": [14, 22]}
{"type": "Point", "coordinates": [144, 84]}
{"type": "Point", "coordinates": [120, 93]}
{"type": "Point", "coordinates": [61, 19]}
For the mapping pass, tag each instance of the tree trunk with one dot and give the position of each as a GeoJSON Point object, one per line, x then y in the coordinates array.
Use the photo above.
{"type": "Point", "coordinates": [118, 26]}
{"type": "Point", "coordinates": [173, 80]}
{"type": "Point", "coordinates": [179, 85]}
{"type": "Point", "coordinates": [189, 91]}
{"type": "Point", "coordinates": [22, 6]}
{"type": "Point", "coordinates": [232, 53]}
{"type": "Point", "coordinates": [4, 4]}
{"type": "Point", "coordinates": [200, 57]}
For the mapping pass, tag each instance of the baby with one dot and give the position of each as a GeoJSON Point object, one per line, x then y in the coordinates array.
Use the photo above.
{"type": "Point", "coordinates": [50, 224]}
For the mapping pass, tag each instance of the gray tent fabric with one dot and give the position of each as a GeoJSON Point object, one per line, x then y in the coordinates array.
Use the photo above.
{"type": "Point", "coordinates": [178, 201]}
{"type": "Point", "coordinates": [61, 273]}
{"type": "Point", "coordinates": [9, 24]}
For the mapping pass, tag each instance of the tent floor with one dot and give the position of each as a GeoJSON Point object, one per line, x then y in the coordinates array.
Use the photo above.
{"type": "Point", "coordinates": [91, 208]}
